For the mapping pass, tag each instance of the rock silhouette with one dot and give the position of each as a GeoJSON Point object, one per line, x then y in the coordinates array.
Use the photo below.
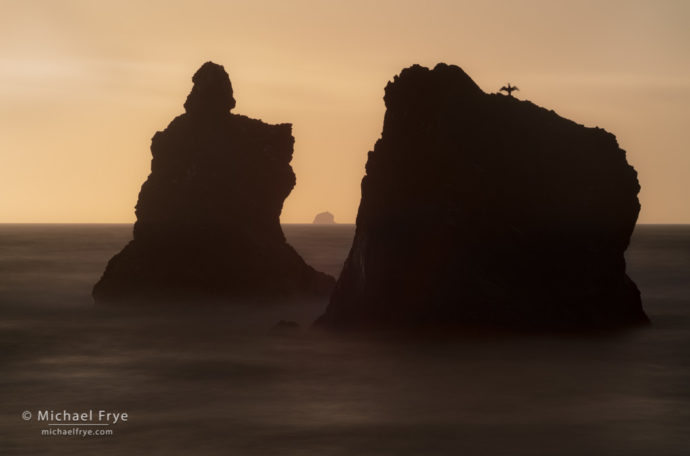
{"type": "Point", "coordinates": [483, 210]}
{"type": "Point", "coordinates": [324, 218]}
{"type": "Point", "coordinates": [208, 214]}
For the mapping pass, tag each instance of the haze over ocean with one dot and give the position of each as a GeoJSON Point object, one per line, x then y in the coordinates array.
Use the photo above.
{"type": "Point", "coordinates": [206, 380]}
{"type": "Point", "coordinates": [97, 79]}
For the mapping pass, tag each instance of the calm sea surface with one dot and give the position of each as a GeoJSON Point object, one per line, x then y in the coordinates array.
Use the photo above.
{"type": "Point", "coordinates": [221, 382]}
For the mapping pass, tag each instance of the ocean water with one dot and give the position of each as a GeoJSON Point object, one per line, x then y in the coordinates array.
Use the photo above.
{"type": "Point", "coordinates": [220, 381]}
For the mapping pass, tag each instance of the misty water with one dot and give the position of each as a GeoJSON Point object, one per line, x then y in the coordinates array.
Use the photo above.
{"type": "Point", "coordinates": [218, 380]}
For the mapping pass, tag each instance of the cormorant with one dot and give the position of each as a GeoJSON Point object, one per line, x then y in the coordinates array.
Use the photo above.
{"type": "Point", "coordinates": [508, 88]}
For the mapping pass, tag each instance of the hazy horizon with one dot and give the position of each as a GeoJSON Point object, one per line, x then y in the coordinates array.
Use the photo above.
{"type": "Point", "coordinates": [282, 223]}
{"type": "Point", "coordinates": [85, 85]}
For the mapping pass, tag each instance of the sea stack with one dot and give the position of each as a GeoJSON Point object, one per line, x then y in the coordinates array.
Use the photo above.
{"type": "Point", "coordinates": [482, 210]}
{"type": "Point", "coordinates": [208, 215]}
{"type": "Point", "coordinates": [324, 218]}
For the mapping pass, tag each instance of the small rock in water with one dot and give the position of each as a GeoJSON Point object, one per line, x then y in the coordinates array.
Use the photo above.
{"type": "Point", "coordinates": [324, 218]}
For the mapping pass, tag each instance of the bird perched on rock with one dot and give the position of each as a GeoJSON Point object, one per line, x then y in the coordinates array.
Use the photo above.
{"type": "Point", "coordinates": [508, 88]}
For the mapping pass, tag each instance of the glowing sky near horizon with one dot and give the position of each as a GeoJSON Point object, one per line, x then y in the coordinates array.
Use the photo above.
{"type": "Point", "coordinates": [84, 86]}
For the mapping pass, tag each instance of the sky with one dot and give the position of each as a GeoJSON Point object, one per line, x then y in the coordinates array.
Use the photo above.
{"type": "Point", "coordinates": [84, 85]}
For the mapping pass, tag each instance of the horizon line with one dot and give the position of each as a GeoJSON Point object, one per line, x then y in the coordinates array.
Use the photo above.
{"type": "Point", "coordinates": [282, 223]}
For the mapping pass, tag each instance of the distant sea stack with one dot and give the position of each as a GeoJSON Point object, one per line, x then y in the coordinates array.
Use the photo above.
{"type": "Point", "coordinates": [324, 218]}
{"type": "Point", "coordinates": [208, 214]}
{"type": "Point", "coordinates": [484, 210]}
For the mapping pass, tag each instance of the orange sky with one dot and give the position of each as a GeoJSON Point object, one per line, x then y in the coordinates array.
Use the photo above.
{"type": "Point", "coordinates": [84, 86]}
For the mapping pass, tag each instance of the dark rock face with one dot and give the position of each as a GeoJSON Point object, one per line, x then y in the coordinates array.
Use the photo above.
{"type": "Point", "coordinates": [483, 210]}
{"type": "Point", "coordinates": [324, 218]}
{"type": "Point", "coordinates": [208, 214]}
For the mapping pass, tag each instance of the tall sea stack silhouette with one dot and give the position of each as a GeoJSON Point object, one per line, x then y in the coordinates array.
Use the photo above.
{"type": "Point", "coordinates": [484, 210]}
{"type": "Point", "coordinates": [208, 214]}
